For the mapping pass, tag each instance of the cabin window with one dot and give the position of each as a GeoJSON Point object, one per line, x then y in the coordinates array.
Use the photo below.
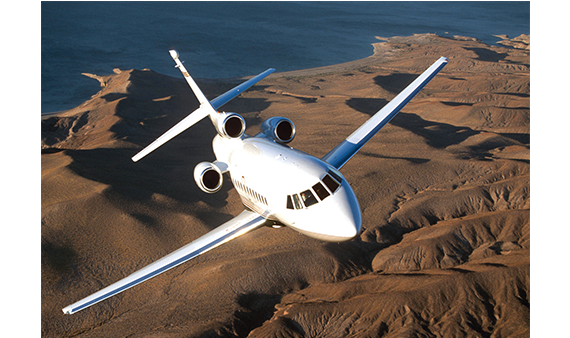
{"type": "Point", "coordinates": [330, 183]}
{"type": "Point", "coordinates": [321, 191]}
{"type": "Point", "coordinates": [308, 198]}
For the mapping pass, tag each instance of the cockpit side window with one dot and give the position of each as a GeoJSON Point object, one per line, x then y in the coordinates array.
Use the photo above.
{"type": "Point", "coordinates": [330, 183]}
{"type": "Point", "coordinates": [321, 191]}
{"type": "Point", "coordinates": [289, 202]}
{"type": "Point", "coordinates": [308, 198]}
{"type": "Point", "coordinates": [335, 175]}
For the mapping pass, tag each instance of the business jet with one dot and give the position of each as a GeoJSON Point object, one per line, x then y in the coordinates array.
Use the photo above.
{"type": "Point", "coordinates": [277, 184]}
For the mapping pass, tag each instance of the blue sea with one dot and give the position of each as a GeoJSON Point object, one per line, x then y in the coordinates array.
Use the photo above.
{"type": "Point", "coordinates": [232, 39]}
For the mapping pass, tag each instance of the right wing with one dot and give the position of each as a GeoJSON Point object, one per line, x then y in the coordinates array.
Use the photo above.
{"type": "Point", "coordinates": [239, 225]}
{"type": "Point", "coordinates": [352, 144]}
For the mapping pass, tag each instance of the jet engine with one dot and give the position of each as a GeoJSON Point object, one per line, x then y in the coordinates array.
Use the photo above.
{"type": "Point", "coordinates": [279, 129]}
{"type": "Point", "coordinates": [229, 125]}
{"type": "Point", "coordinates": [208, 177]}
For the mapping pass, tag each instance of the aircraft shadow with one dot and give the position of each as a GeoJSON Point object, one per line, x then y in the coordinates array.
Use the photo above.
{"type": "Point", "coordinates": [396, 82]}
{"type": "Point", "coordinates": [438, 135]}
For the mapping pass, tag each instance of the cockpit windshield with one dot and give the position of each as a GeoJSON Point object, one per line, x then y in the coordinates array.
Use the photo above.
{"type": "Point", "coordinates": [316, 193]}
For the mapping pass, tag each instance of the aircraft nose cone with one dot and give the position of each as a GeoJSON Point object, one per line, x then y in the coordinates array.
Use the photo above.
{"type": "Point", "coordinates": [350, 212]}
{"type": "Point", "coordinates": [343, 217]}
{"type": "Point", "coordinates": [345, 221]}
{"type": "Point", "coordinates": [353, 224]}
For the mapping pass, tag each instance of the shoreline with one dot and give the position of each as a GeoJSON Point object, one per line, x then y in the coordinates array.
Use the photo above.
{"type": "Point", "coordinates": [381, 53]}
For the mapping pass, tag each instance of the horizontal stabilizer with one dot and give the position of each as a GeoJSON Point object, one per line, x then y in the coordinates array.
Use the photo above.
{"type": "Point", "coordinates": [186, 123]}
{"type": "Point", "coordinates": [232, 93]}
{"type": "Point", "coordinates": [207, 108]}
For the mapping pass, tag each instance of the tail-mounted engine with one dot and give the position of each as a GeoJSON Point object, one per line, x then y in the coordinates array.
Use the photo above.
{"type": "Point", "coordinates": [279, 129]}
{"type": "Point", "coordinates": [208, 177]}
{"type": "Point", "coordinates": [229, 125]}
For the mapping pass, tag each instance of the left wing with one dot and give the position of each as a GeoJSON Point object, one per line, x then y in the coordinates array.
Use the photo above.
{"type": "Point", "coordinates": [352, 144]}
{"type": "Point", "coordinates": [244, 222]}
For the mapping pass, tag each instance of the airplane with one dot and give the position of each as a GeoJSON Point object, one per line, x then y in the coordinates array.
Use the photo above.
{"type": "Point", "coordinates": [277, 184]}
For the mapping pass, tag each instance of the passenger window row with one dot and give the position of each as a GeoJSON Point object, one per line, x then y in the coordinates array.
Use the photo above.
{"type": "Point", "coordinates": [252, 194]}
{"type": "Point", "coordinates": [315, 194]}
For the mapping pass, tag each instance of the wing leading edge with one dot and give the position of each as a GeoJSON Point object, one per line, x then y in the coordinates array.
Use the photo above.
{"type": "Point", "coordinates": [244, 222]}
{"type": "Point", "coordinates": [352, 144]}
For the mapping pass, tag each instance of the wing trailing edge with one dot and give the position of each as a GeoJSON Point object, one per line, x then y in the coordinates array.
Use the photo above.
{"type": "Point", "coordinates": [352, 144]}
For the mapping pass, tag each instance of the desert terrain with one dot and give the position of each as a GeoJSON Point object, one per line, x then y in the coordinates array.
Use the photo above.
{"type": "Point", "coordinates": [443, 188]}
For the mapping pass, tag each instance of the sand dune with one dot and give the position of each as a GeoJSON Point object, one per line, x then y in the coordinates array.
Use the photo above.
{"type": "Point", "coordinates": [444, 193]}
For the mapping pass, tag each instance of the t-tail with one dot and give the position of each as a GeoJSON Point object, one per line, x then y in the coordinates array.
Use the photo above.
{"type": "Point", "coordinates": [229, 125]}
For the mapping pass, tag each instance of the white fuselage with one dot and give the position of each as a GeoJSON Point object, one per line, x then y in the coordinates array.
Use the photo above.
{"type": "Point", "coordinates": [291, 187]}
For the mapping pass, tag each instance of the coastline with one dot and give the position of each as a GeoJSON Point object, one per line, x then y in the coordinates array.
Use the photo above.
{"type": "Point", "coordinates": [381, 53]}
{"type": "Point", "coordinates": [384, 53]}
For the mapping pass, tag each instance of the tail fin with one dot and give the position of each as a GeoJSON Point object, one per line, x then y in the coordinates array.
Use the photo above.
{"type": "Point", "coordinates": [206, 108]}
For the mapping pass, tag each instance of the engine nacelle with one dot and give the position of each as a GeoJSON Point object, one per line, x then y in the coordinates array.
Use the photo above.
{"type": "Point", "coordinates": [280, 129]}
{"type": "Point", "coordinates": [208, 177]}
{"type": "Point", "coordinates": [229, 125]}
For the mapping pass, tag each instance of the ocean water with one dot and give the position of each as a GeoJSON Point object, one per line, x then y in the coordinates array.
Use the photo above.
{"type": "Point", "coordinates": [232, 39]}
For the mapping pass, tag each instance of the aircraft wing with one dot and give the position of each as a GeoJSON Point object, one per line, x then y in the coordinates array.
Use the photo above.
{"type": "Point", "coordinates": [244, 222]}
{"type": "Point", "coordinates": [352, 144]}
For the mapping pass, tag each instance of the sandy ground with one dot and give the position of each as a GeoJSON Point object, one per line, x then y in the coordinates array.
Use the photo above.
{"type": "Point", "coordinates": [444, 193]}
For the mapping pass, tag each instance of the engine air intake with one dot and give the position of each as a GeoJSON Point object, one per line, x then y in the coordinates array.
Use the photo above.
{"type": "Point", "coordinates": [279, 129]}
{"type": "Point", "coordinates": [208, 177]}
